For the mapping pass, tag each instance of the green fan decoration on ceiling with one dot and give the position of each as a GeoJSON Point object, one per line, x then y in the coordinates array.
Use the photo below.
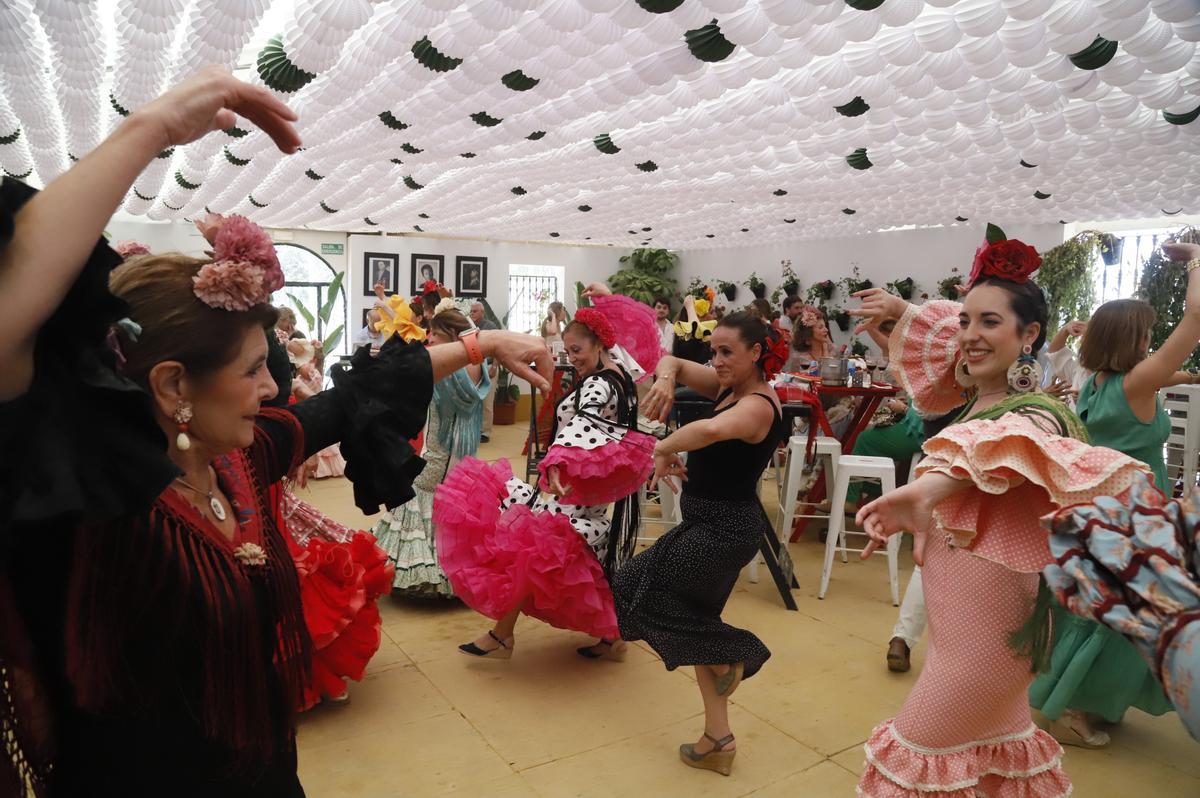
{"type": "Point", "coordinates": [233, 159]}
{"type": "Point", "coordinates": [856, 107]}
{"type": "Point", "coordinates": [485, 119]}
{"type": "Point", "coordinates": [326, 208]}
{"type": "Point", "coordinates": [11, 137]}
{"type": "Point", "coordinates": [396, 161]}
{"type": "Point", "coordinates": [367, 219]}
{"type": "Point", "coordinates": [391, 121]}
{"type": "Point", "coordinates": [466, 155]}
{"type": "Point", "coordinates": [255, 202]}
{"type": "Point", "coordinates": [585, 208]}
{"type": "Point", "coordinates": [779, 192]}
{"type": "Point", "coordinates": [858, 159]}
{"type": "Point", "coordinates": [418, 228]}
{"type": "Point", "coordinates": [410, 149]}
{"type": "Point", "coordinates": [708, 43]}
{"type": "Point", "coordinates": [183, 183]}
{"type": "Point", "coordinates": [864, 5]}
{"type": "Point", "coordinates": [1041, 195]}
{"type": "Point", "coordinates": [311, 175]}
{"type": "Point", "coordinates": [605, 144]}
{"type": "Point", "coordinates": [1095, 55]}
{"type": "Point", "coordinates": [519, 81]}
{"type": "Point", "coordinates": [960, 218]}
{"type": "Point", "coordinates": [789, 221]}
{"type": "Point", "coordinates": [167, 153]}
{"type": "Point", "coordinates": [536, 135]}
{"type": "Point", "coordinates": [413, 184]}
{"type": "Point", "coordinates": [1183, 119]}
{"type": "Point", "coordinates": [1027, 164]}
{"type": "Point", "coordinates": [278, 71]}
{"type": "Point", "coordinates": [659, 6]}
{"type": "Point", "coordinates": [518, 190]}
{"type": "Point", "coordinates": [431, 58]}
{"type": "Point", "coordinates": [143, 197]}
{"type": "Point", "coordinates": [648, 166]}
{"type": "Point", "coordinates": [73, 158]}
{"type": "Point", "coordinates": [172, 207]}
{"type": "Point", "coordinates": [20, 176]}
{"type": "Point", "coordinates": [236, 132]}
{"type": "Point", "coordinates": [120, 109]}
{"type": "Point", "coordinates": [849, 211]}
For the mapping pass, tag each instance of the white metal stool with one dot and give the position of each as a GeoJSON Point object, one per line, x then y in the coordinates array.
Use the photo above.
{"type": "Point", "coordinates": [851, 467]}
{"type": "Point", "coordinates": [829, 448]}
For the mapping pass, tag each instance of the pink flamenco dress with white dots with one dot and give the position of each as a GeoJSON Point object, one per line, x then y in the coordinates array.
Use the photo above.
{"type": "Point", "coordinates": [965, 729]}
{"type": "Point", "coordinates": [503, 545]}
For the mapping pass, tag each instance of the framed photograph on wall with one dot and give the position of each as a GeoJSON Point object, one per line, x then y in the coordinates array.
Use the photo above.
{"type": "Point", "coordinates": [380, 267]}
{"type": "Point", "coordinates": [472, 275]}
{"type": "Point", "coordinates": [365, 311]}
{"type": "Point", "coordinates": [427, 267]}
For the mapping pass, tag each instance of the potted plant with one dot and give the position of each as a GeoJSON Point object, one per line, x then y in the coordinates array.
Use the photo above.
{"type": "Point", "coordinates": [1067, 277]}
{"type": "Point", "coordinates": [507, 396]}
{"type": "Point", "coordinates": [728, 289]}
{"type": "Point", "coordinates": [696, 288]}
{"type": "Point", "coordinates": [1163, 283]}
{"type": "Point", "coordinates": [858, 348]}
{"type": "Point", "coordinates": [949, 286]}
{"type": "Point", "coordinates": [756, 286]}
{"type": "Point", "coordinates": [791, 283]}
{"type": "Point", "coordinates": [819, 293]}
{"type": "Point", "coordinates": [902, 288]}
{"type": "Point", "coordinates": [854, 283]}
{"type": "Point", "coordinates": [644, 275]}
{"type": "Point", "coordinates": [841, 318]}
{"type": "Point", "coordinates": [329, 339]}
{"type": "Point", "coordinates": [1110, 248]}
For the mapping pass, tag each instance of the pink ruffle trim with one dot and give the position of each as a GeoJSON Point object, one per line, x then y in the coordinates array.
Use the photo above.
{"type": "Point", "coordinates": [606, 474]}
{"type": "Point", "coordinates": [1023, 765]}
{"type": "Point", "coordinates": [924, 349]}
{"type": "Point", "coordinates": [637, 330]}
{"type": "Point", "coordinates": [496, 560]}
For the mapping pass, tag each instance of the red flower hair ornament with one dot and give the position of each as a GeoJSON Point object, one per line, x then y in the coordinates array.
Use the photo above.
{"type": "Point", "coordinates": [599, 324]}
{"type": "Point", "coordinates": [1004, 258]}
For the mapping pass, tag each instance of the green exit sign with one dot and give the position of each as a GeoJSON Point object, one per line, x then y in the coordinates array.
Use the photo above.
{"type": "Point", "coordinates": [331, 249]}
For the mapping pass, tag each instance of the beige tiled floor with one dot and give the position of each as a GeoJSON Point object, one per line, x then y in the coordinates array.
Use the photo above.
{"type": "Point", "coordinates": [428, 721]}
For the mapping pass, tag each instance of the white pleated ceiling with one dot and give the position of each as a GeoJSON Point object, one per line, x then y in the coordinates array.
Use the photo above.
{"type": "Point", "coordinates": [681, 123]}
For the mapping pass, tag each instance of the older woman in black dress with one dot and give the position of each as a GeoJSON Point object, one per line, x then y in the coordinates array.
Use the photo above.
{"type": "Point", "coordinates": [672, 594]}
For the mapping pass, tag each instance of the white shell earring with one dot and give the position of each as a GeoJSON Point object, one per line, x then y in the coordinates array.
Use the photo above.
{"type": "Point", "coordinates": [181, 417]}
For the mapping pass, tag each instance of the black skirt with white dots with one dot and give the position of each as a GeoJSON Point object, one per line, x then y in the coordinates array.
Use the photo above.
{"type": "Point", "coordinates": [672, 594]}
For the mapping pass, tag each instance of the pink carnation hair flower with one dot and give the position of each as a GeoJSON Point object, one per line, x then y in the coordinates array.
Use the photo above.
{"type": "Point", "coordinates": [230, 285]}
{"type": "Point", "coordinates": [599, 324]}
{"type": "Point", "coordinates": [130, 249]}
{"type": "Point", "coordinates": [241, 240]}
{"type": "Point", "coordinates": [809, 316]}
{"type": "Point", "coordinates": [208, 225]}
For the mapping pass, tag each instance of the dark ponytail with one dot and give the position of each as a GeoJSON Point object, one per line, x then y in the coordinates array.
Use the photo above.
{"type": "Point", "coordinates": [752, 330]}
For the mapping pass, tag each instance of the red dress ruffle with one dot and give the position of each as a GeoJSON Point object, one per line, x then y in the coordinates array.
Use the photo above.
{"type": "Point", "coordinates": [339, 584]}
{"type": "Point", "coordinates": [606, 474]}
{"type": "Point", "coordinates": [495, 559]}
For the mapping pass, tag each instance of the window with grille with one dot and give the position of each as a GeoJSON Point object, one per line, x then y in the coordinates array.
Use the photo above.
{"type": "Point", "coordinates": [1120, 280]}
{"type": "Point", "coordinates": [306, 283]}
{"type": "Point", "coordinates": [531, 289]}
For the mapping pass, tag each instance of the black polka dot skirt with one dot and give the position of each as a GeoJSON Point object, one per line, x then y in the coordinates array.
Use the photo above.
{"type": "Point", "coordinates": [672, 594]}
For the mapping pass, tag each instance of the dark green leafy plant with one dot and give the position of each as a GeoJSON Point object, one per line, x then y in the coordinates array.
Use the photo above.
{"type": "Point", "coordinates": [756, 285]}
{"type": "Point", "coordinates": [644, 275]}
{"type": "Point", "coordinates": [323, 313]}
{"type": "Point", "coordinates": [1164, 285]}
{"type": "Point", "coordinates": [902, 288]}
{"type": "Point", "coordinates": [580, 300]}
{"type": "Point", "coordinates": [858, 348]}
{"type": "Point", "coordinates": [696, 288]}
{"type": "Point", "coordinates": [728, 289]}
{"type": "Point", "coordinates": [819, 293]}
{"type": "Point", "coordinates": [948, 286]}
{"type": "Point", "coordinates": [1067, 276]}
{"type": "Point", "coordinates": [791, 282]}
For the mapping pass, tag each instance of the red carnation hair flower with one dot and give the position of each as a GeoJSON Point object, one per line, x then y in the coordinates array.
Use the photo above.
{"type": "Point", "coordinates": [599, 324]}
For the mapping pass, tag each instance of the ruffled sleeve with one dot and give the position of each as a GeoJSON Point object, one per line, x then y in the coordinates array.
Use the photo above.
{"type": "Point", "coordinates": [373, 409]}
{"type": "Point", "coordinates": [637, 330]}
{"type": "Point", "coordinates": [924, 352]}
{"type": "Point", "coordinates": [599, 460]}
{"type": "Point", "coordinates": [1134, 565]}
{"type": "Point", "coordinates": [1020, 471]}
{"type": "Point", "coordinates": [82, 441]}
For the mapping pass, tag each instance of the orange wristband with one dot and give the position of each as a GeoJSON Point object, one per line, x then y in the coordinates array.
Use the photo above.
{"type": "Point", "coordinates": [470, 339]}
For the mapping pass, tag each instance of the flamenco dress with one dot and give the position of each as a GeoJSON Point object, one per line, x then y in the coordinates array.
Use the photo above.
{"type": "Point", "coordinates": [142, 653]}
{"type": "Point", "coordinates": [673, 593]}
{"type": "Point", "coordinates": [406, 533]}
{"type": "Point", "coordinates": [1093, 669]}
{"type": "Point", "coordinates": [966, 727]}
{"type": "Point", "coordinates": [503, 545]}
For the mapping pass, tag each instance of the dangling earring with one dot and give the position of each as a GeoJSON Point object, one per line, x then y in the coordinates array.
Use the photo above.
{"type": "Point", "coordinates": [962, 376]}
{"type": "Point", "coordinates": [182, 415]}
{"type": "Point", "coordinates": [1025, 375]}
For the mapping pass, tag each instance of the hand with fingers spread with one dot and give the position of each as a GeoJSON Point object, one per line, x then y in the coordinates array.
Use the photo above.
{"type": "Point", "coordinates": [212, 99]}
{"type": "Point", "coordinates": [597, 289]}
{"type": "Point", "coordinates": [668, 468]}
{"type": "Point", "coordinates": [877, 306]}
{"type": "Point", "coordinates": [516, 352]}
{"type": "Point", "coordinates": [659, 399]}
{"type": "Point", "coordinates": [902, 510]}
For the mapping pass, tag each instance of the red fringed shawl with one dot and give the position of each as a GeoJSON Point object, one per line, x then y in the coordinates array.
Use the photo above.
{"type": "Point", "coordinates": [243, 623]}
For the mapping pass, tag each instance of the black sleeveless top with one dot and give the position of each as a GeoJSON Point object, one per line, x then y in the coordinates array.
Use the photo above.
{"type": "Point", "coordinates": [730, 469]}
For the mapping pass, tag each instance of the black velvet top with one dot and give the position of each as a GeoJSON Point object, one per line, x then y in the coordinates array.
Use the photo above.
{"type": "Point", "coordinates": [730, 469]}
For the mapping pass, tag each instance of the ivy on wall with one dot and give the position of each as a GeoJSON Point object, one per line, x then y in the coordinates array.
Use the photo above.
{"type": "Point", "coordinates": [1164, 285]}
{"type": "Point", "coordinates": [1068, 277]}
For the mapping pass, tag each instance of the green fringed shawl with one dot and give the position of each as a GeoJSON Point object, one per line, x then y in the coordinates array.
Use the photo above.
{"type": "Point", "coordinates": [1034, 638]}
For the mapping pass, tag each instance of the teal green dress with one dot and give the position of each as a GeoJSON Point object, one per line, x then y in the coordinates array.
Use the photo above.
{"type": "Point", "coordinates": [899, 441]}
{"type": "Point", "coordinates": [1092, 668]}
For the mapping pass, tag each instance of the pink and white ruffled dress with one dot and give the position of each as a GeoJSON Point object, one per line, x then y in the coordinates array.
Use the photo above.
{"type": "Point", "coordinates": [500, 543]}
{"type": "Point", "coordinates": [965, 729]}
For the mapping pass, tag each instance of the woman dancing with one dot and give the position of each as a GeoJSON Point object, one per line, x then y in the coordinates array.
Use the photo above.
{"type": "Point", "coordinates": [152, 636]}
{"type": "Point", "coordinates": [1013, 456]}
{"type": "Point", "coordinates": [672, 594]}
{"type": "Point", "coordinates": [451, 433]}
{"type": "Point", "coordinates": [508, 552]}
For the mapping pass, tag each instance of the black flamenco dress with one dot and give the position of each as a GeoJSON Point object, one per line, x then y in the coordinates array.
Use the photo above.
{"type": "Point", "coordinates": [141, 652]}
{"type": "Point", "coordinates": [672, 594]}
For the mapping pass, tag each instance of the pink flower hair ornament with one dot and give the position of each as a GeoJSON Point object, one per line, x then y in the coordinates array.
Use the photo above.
{"type": "Point", "coordinates": [599, 324]}
{"type": "Point", "coordinates": [130, 249]}
{"type": "Point", "coordinates": [244, 271]}
{"type": "Point", "coordinates": [810, 315]}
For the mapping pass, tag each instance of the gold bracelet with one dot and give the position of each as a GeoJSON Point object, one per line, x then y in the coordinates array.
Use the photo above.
{"type": "Point", "coordinates": [1193, 264]}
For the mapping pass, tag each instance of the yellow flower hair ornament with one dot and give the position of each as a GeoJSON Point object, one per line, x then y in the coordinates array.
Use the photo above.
{"type": "Point", "coordinates": [702, 307]}
{"type": "Point", "coordinates": [397, 319]}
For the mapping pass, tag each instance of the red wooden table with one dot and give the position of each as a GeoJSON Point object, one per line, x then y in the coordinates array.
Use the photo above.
{"type": "Point", "coordinates": [870, 399]}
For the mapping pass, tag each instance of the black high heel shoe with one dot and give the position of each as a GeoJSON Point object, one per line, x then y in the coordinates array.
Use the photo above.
{"type": "Point", "coordinates": [609, 649]}
{"type": "Point", "coordinates": [504, 651]}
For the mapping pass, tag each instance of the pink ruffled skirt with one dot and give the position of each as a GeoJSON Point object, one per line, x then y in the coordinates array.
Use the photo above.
{"type": "Point", "coordinates": [605, 474]}
{"type": "Point", "coordinates": [500, 559]}
{"type": "Point", "coordinates": [966, 728]}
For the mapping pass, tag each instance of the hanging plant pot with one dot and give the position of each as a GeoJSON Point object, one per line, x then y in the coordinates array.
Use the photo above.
{"type": "Point", "coordinates": [791, 288]}
{"type": "Point", "coordinates": [842, 319]}
{"type": "Point", "coordinates": [759, 290]}
{"type": "Point", "coordinates": [860, 285]}
{"type": "Point", "coordinates": [1110, 249]}
{"type": "Point", "coordinates": [904, 288]}
{"type": "Point", "coordinates": [729, 290]}
{"type": "Point", "coordinates": [824, 289]}
{"type": "Point", "coordinates": [949, 287]}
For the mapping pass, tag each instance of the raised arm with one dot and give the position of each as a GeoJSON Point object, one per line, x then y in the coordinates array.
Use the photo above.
{"type": "Point", "coordinates": [1072, 329]}
{"type": "Point", "coordinates": [55, 231]}
{"type": "Point", "coordinates": [1159, 369]}
{"type": "Point", "coordinates": [671, 371]}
